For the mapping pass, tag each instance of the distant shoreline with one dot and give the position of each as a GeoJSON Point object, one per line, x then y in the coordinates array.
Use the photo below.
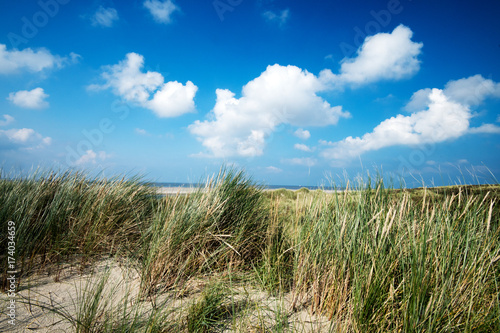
{"type": "Point", "coordinates": [174, 190]}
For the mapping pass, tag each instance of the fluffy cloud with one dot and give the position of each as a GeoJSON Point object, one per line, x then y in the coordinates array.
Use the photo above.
{"type": "Point", "coordinates": [173, 99]}
{"type": "Point", "coordinates": [8, 119]}
{"type": "Point", "coordinates": [384, 56]}
{"type": "Point", "coordinates": [33, 61]}
{"type": "Point", "coordinates": [32, 99]}
{"type": "Point", "coordinates": [444, 115]}
{"type": "Point", "coordinates": [280, 95]}
{"type": "Point", "coordinates": [486, 129]}
{"type": "Point", "coordinates": [126, 79]}
{"type": "Point", "coordinates": [471, 91]}
{"type": "Point", "coordinates": [104, 17]}
{"type": "Point", "coordinates": [280, 18]}
{"type": "Point", "coordinates": [302, 134]}
{"type": "Point", "coordinates": [91, 157]}
{"type": "Point", "coordinates": [161, 10]}
{"type": "Point", "coordinates": [303, 147]}
{"type": "Point", "coordinates": [25, 138]}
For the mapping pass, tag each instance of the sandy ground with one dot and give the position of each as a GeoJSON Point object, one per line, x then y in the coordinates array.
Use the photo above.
{"type": "Point", "coordinates": [66, 293]}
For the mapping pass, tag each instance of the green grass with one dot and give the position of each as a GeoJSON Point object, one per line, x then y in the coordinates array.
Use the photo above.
{"type": "Point", "coordinates": [371, 259]}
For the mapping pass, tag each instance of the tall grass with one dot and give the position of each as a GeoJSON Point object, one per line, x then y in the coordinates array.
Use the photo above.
{"type": "Point", "coordinates": [370, 259]}
{"type": "Point", "coordinates": [220, 226]}
{"type": "Point", "coordinates": [60, 215]}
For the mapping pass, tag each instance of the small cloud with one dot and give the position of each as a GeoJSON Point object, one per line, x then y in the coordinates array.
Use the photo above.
{"type": "Point", "coordinates": [280, 17]}
{"type": "Point", "coordinates": [498, 118]}
{"type": "Point", "coordinates": [431, 162]}
{"type": "Point", "coordinates": [32, 99]}
{"type": "Point", "coordinates": [300, 146]}
{"type": "Point", "coordinates": [326, 143]}
{"type": "Point", "coordinates": [147, 89]}
{"type": "Point", "coordinates": [91, 157]}
{"type": "Point", "coordinates": [25, 138]}
{"type": "Point", "coordinates": [302, 134]}
{"type": "Point", "coordinates": [141, 131]}
{"type": "Point", "coordinates": [307, 161]}
{"type": "Point", "coordinates": [161, 10]}
{"type": "Point", "coordinates": [273, 169]}
{"type": "Point", "coordinates": [31, 60]}
{"type": "Point", "coordinates": [104, 17]}
{"type": "Point", "coordinates": [485, 129]}
{"type": "Point", "coordinates": [7, 121]}
{"type": "Point", "coordinates": [462, 161]}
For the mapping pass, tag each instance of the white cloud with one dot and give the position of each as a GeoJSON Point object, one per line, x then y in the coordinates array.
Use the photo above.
{"type": "Point", "coordinates": [280, 95]}
{"type": "Point", "coordinates": [148, 89]}
{"type": "Point", "coordinates": [173, 99]}
{"type": "Point", "coordinates": [25, 138]}
{"type": "Point", "coordinates": [104, 17]}
{"type": "Point", "coordinates": [486, 129]}
{"type": "Point", "coordinates": [281, 17]}
{"type": "Point", "coordinates": [302, 134]}
{"type": "Point", "coordinates": [384, 56]}
{"type": "Point", "coordinates": [306, 161]}
{"type": "Point", "coordinates": [273, 169]}
{"type": "Point", "coordinates": [8, 119]}
{"type": "Point", "coordinates": [32, 99]}
{"type": "Point", "coordinates": [471, 91]}
{"type": "Point", "coordinates": [303, 147]}
{"type": "Point", "coordinates": [161, 10]}
{"type": "Point", "coordinates": [91, 157]}
{"type": "Point", "coordinates": [442, 115]}
{"type": "Point", "coordinates": [34, 61]}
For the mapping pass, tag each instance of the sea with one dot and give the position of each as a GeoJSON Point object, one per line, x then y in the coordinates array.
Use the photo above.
{"type": "Point", "coordinates": [269, 187]}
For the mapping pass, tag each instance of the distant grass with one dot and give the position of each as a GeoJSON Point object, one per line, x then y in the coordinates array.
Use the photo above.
{"type": "Point", "coordinates": [370, 259]}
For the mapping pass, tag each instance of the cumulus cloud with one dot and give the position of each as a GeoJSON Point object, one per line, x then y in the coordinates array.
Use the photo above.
{"type": "Point", "coordinates": [30, 99]}
{"type": "Point", "coordinates": [303, 147]}
{"type": "Point", "coordinates": [31, 60]}
{"type": "Point", "coordinates": [8, 119]}
{"type": "Point", "coordinates": [161, 10]}
{"type": "Point", "coordinates": [384, 56]}
{"type": "Point", "coordinates": [148, 89]}
{"type": "Point", "coordinates": [302, 134]}
{"type": "Point", "coordinates": [471, 91]}
{"type": "Point", "coordinates": [444, 115]}
{"type": "Point", "coordinates": [104, 17]}
{"type": "Point", "coordinates": [280, 95]}
{"type": "Point", "coordinates": [25, 138]}
{"type": "Point", "coordinates": [280, 17]}
{"type": "Point", "coordinates": [173, 99]}
{"type": "Point", "coordinates": [91, 157]}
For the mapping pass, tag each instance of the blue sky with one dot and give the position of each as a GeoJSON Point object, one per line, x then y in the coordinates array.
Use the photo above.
{"type": "Point", "coordinates": [294, 92]}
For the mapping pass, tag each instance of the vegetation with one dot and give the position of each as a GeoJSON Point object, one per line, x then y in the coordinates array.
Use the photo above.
{"type": "Point", "coordinates": [232, 256]}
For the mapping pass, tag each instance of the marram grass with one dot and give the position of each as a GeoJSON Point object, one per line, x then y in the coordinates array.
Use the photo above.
{"type": "Point", "coordinates": [369, 259]}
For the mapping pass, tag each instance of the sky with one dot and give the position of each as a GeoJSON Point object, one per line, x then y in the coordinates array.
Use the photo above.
{"type": "Point", "coordinates": [293, 92]}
